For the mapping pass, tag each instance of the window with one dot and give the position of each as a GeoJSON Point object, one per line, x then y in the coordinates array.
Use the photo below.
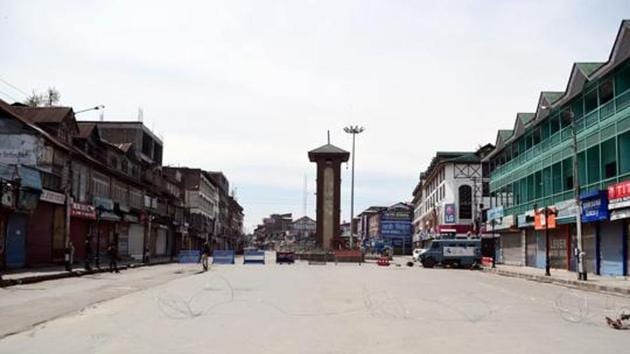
{"type": "Point", "coordinates": [582, 167]}
{"type": "Point", "coordinates": [606, 91]}
{"type": "Point", "coordinates": [536, 136]}
{"type": "Point", "coordinates": [567, 173]}
{"type": "Point", "coordinates": [465, 202]}
{"type": "Point", "coordinates": [590, 101]}
{"type": "Point", "coordinates": [546, 182]}
{"type": "Point", "coordinates": [554, 124]}
{"type": "Point", "coordinates": [592, 164]}
{"type": "Point", "coordinates": [624, 152]}
{"type": "Point", "coordinates": [622, 80]}
{"type": "Point", "coordinates": [609, 158]}
{"type": "Point", "coordinates": [556, 178]}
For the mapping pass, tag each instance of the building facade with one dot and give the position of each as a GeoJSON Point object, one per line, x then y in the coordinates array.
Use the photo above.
{"type": "Point", "coordinates": [451, 194]}
{"type": "Point", "coordinates": [532, 169]}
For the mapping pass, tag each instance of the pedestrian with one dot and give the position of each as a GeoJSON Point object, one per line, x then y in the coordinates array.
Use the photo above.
{"type": "Point", "coordinates": [88, 252]}
{"type": "Point", "coordinates": [112, 252]}
{"type": "Point", "coordinates": [69, 256]}
{"type": "Point", "coordinates": [147, 255]}
{"type": "Point", "coordinates": [205, 253]}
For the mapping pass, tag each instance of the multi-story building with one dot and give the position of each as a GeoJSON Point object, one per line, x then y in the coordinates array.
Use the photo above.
{"type": "Point", "coordinates": [369, 223]}
{"type": "Point", "coordinates": [201, 202]}
{"type": "Point", "coordinates": [451, 194]}
{"type": "Point", "coordinates": [533, 168]}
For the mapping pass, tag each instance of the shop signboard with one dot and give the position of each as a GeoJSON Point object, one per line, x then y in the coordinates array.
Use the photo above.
{"type": "Point", "coordinates": [594, 206]}
{"type": "Point", "coordinates": [619, 195]}
{"type": "Point", "coordinates": [544, 220]}
{"type": "Point", "coordinates": [19, 149]}
{"type": "Point", "coordinates": [84, 211]}
{"type": "Point", "coordinates": [526, 220]}
{"type": "Point", "coordinates": [494, 213]}
{"type": "Point", "coordinates": [504, 223]}
{"type": "Point", "coordinates": [449, 213]}
{"type": "Point", "coordinates": [52, 197]}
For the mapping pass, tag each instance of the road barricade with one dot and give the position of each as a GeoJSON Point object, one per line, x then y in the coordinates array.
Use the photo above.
{"type": "Point", "coordinates": [486, 261]}
{"type": "Point", "coordinates": [222, 257]}
{"type": "Point", "coordinates": [383, 261]}
{"type": "Point", "coordinates": [349, 256]}
{"type": "Point", "coordinates": [285, 257]}
{"type": "Point", "coordinates": [189, 256]}
{"type": "Point", "coordinates": [254, 256]}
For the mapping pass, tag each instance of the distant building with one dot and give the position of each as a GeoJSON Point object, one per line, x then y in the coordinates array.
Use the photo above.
{"type": "Point", "coordinates": [452, 193]}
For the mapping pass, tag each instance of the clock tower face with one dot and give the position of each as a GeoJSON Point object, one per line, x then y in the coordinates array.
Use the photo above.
{"type": "Point", "coordinates": [328, 206]}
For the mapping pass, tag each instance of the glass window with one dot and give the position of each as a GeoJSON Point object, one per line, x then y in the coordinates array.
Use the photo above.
{"type": "Point", "coordinates": [567, 173]}
{"type": "Point", "coordinates": [538, 185]}
{"type": "Point", "coordinates": [622, 80]}
{"type": "Point", "coordinates": [554, 124]}
{"type": "Point", "coordinates": [609, 158]}
{"type": "Point", "coordinates": [465, 202]}
{"type": "Point", "coordinates": [536, 136]}
{"type": "Point", "coordinates": [624, 152]}
{"type": "Point", "coordinates": [577, 107]}
{"type": "Point", "coordinates": [606, 91]}
{"type": "Point", "coordinates": [546, 181]}
{"type": "Point", "coordinates": [590, 101]}
{"type": "Point", "coordinates": [556, 177]}
{"type": "Point", "coordinates": [582, 167]}
{"type": "Point", "coordinates": [592, 162]}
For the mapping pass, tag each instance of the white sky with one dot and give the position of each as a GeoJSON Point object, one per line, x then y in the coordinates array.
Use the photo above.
{"type": "Point", "coordinates": [248, 87]}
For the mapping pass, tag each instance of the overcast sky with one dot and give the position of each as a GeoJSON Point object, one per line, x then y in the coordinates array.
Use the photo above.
{"type": "Point", "coordinates": [248, 87]}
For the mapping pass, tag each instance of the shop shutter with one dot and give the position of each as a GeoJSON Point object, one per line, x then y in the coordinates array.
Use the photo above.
{"type": "Point", "coordinates": [160, 243]}
{"type": "Point", "coordinates": [136, 238]}
{"type": "Point", "coordinates": [611, 248]}
{"type": "Point", "coordinates": [588, 238]}
{"type": "Point", "coordinates": [558, 250]}
{"type": "Point", "coordinates": [531, 248]}
{"type": "Point", "coordinates": [512, 248]}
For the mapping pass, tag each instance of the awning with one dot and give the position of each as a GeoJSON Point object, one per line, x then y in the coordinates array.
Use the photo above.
{"type": "Point", "coordinates": [566, 220]}
{"type": "Point", "coordinates": [620, 214]}
{"type": "Point", "coordinates": [109, 216]}
{"type": "Point", "coordinates": [29, 177]}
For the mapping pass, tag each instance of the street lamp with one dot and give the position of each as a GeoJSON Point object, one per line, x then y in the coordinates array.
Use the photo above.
{"type": "Point", "coordinates": [95, 108]}
{"type": "Point", "coordinates": [570, 116]}
{"type": "Point", "coordinates": [354, 130]}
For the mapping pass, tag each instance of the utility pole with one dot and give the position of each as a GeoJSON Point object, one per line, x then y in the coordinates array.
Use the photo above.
{"type": "Point", "coordinates": [578, 206]}
{"type": "Point", "coordinates": [354, 130]}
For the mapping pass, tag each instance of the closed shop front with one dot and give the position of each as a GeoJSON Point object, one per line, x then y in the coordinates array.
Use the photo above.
{"type": "Point", "coordinates": [136, 240]}
{"type": "Point", "coordinates": [540, 249]}
{"type": "Point", "coordinates": [15, 249]}
{"type": "Point", "coordinates": [123, 240]}
{"type": "Point", "coordinates": [82, 217]}
{"type": "Point", "coordinates": [619, 206]}
{"type": "Point", "coordinates": [40, 235]}
{"type": "Point", "coordinates": [531, 248]}
{"type": "Point", "coordinates": [512, 248]}
{"type": "Point", "coordinates": [589, 239]}
{"type": "Point", "coordinates": [161, 241]}
{"type": "Point", "coordinates": [611, 248]}
{"type": "Point", "coordinates": [559, 246]}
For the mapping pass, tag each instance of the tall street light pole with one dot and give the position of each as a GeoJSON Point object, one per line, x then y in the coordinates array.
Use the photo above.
{"type": "Point", "coordinates": [570, 116]}
{"type": "Point", "coordinates": [95, 108]}
{"type": "Point", "coordinates": [354, 130]}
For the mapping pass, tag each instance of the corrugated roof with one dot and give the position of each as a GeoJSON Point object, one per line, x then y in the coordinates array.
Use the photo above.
{"type": "Point", "coordinates": [588, 68]}
{"type": "Point", "coordinates": [525, 117]}
{"type": "Point", "coordinates": [505, 134]}
{"type": "Point", "coordinates": [552, 96]}
{"type": "Point", "coordinates": [85, 129]}
{"type": "Point", "coordinates": [42, 114]}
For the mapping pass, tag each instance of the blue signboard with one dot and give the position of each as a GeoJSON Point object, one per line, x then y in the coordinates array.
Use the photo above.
{"type": "Point", "coordinates": [594, 206]}
{"type": "Point", "coordinates": [449, 213]}
{"type": "Point", "coordinates": [396, 231]}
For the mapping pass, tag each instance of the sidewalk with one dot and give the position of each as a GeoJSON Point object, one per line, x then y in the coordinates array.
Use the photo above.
{"type": "Point", "coordinates": [35, 275]}
{"type": "Point", "coordinates": [613, 285]}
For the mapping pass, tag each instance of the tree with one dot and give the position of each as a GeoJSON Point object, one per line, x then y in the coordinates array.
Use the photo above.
{"type": "Point", "coordinates": [49, 98]}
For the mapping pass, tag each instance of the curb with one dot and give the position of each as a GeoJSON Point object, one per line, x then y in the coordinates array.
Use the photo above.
{"type": "Point", "coordinates": [69, 274]}
{"type": "Point", "coordinates": [562, 282]}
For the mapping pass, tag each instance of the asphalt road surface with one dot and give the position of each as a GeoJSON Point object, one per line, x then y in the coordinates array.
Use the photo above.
{"type": "Point", "coordinates": [305, 308]}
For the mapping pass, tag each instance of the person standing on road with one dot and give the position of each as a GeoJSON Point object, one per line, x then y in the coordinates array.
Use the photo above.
{"type": "Point", "coordinates": [113, 258]}
{"type": "Point", "coordinates": [205, 253]}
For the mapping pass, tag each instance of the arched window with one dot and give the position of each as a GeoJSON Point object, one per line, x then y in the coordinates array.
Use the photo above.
{"type": "Point", "coordinates": [465, 202]}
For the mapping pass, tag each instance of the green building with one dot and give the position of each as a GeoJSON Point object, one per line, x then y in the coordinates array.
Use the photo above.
{"type": "Point", "coordinates": [532, 166]}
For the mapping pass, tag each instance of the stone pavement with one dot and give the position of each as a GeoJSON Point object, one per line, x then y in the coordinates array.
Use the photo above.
{"type": "Point", "coordinates": [614, 285]}
{"type": "Point", "coordinates": [34, 275]}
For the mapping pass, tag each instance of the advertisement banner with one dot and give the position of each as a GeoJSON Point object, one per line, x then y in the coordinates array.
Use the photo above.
{"type": "Point", "coordinates": [594, 206]}
{"type": "Point", "coordinates": [84, 211]}
{"type": "Point", "coordinates": [449, 213]}
{"type": "Point", "coordinates": [619, 195]}
{"type": "Point", "coordinates": [542, 221]}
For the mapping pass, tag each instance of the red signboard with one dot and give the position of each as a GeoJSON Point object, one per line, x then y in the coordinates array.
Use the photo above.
{"type": "Point", "coordinates": [84, 211]}
{"type": "Point", "coordinates": [619, 195]}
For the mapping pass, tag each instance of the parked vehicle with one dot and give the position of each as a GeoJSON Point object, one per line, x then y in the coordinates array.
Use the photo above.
{"type": "Point", "coordinates": [452, 252]}
{"type": "Point", "coordinates": [417, 252]}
